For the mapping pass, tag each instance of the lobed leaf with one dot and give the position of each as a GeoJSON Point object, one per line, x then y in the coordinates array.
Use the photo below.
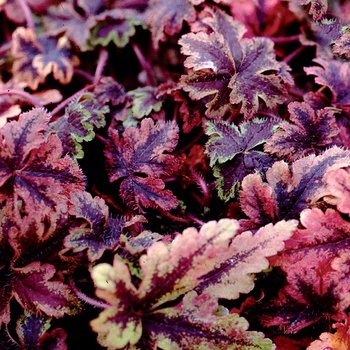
{"type": "Point", "coordinates": [299, 187]}
{"type": "Point", "coordinates": [310, 133]}
{"type": "Point", "coordinates": [208, 261]}
{"type": "Point", "coordinates": [31, 168]}
{"type": "Point", "coordinates": [35, 292]}
{"type": "Point", "coordinates": [139, 159]}
{"type": "Point", "coordinates": [78, 122]}
{"type": "Point", "coordinates": [317, 263]}
{"type": "Point", "coordinates": [236, 71]}
{"type": "Point", "coordinates": [233, 152]}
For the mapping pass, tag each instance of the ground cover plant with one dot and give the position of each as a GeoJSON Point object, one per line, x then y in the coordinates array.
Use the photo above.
{"type": "Point", "coordinates": [175, 174]}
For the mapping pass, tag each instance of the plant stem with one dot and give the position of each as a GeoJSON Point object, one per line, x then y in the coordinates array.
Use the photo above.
{"type": "Point", "coordinates": [172, 217]}
{"type": "Point", "coordinates": [85, 298]}
{"type": "Point", "coordinates": [102, 59]}
{"type": "Point", "coordinates": [145, 65]}
{"type": "Point", "coordinates": [70, 99]}
{"type": "Point", "coordinates": [34, 101]}
{"type": "Point", "coordinates": [28, 14]}
{"type": "Point", "coordinates": [285, 39]}
{"type": "Point", "coordinates": [293, 54]}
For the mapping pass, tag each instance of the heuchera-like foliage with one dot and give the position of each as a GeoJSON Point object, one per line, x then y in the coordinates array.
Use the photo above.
{"type": "Point", "coordinates": [234, 152]}
{"type": "Point", "coordinates": [316, 261]}
{"type": "Point", "coordinates": [138, 158]}
{"type": "Point", "coordinates": [187, 184]}
{"type": "Point", "coordinates": [236, 70]}
{"type": "Point", "coordinates": [25, 156]}
{"type": "Point", "coordinates": [206, 261]}
{"type": "Point", "coordinates": [310, 133]}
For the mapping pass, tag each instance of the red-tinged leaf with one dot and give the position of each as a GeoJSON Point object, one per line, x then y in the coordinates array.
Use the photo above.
{"type": "Point", "coordinates": [146, 193]}
{"type": "Point", "coordinates": [304, 184]}
{"type": "Point", "coordinates": [333, 74]}
{"type": "Point", "coordinates": [260, 77]}
{"type": "Point", "coordinates": [338, 182]}
{"type": "Point", "coordinates": [110, 91]}
{"type": "Point", "coordinates": [317, 8]}
{"type": "Point", "coordinates": [32, 333]}
{"type": "Point", "coordinates": [38, 56]}
{"type": "Point", "coordinates": [166, 17]}
{"type": "Point", "coordinates": [257, 202]}
{"type": "Point", "coordinates": [31, 168]}
{"type": "Point", "coordinates": [234, 152]}
{"type": "Point", "coordinates": [142, 315]}
{"type": "Point", "coordinates": [310, 133]}
{"type": "Point", "coordinates": [340, 340]}
{"type": "Point", "coordinates": [236, 71]}
{"type": "Point", "coordinates": [65, 19]}
{"type": "Point", "coordinates": [342, 45]}
{"type": "Point", "coordinates": [316, 262]}
{"type": "Point", "coordinates": [35, 292]}
{"type": "Point", "coordinates": [139, 158]}
{"type": "Point", "coordinates": [100, 232]}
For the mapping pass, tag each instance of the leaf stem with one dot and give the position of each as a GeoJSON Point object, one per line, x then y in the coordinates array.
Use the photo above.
{"type": "Point", "coordinates": [145, 65]}
{"type": "Point", "coordinates": [172, 217]}
{"type": "Point", "coordinates": [102, 60]}
{"type": "Point", "coordinates": [285, 39]}
{"type": "Point", "coordinates": [28, 14]}
{"type": "Point", "coordinates": [203, 186]}
{"type": "Point", "coordinates": [70, 99]}
{"type": "Point", "coordinates": [293, 54]}
{"type": "Point", "coordinates": [27, 96]}
{"type": "Point", "coordinates": [91, 301]}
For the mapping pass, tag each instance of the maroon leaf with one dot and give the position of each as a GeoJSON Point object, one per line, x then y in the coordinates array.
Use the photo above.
{"type": "Point", "coordinates": [236, 71]}
{"type": "Point", "coordinates": [35, 292]}
{"type": "Point", "coordinates": [234, 152]}
{"type": "Point", "coordinates": [166, 17]}
{"type": "Point", "coordinates": [310, 133]}
{"type": "Point", "coordinates": [342, 45]}
{"type": "Point", "coordinates": [333, 74]}
{"type": "Point", "coordinates": [99, 233]}
{"type": "Point", "coordinates": [316, 262]}
{"type": "Point", "coordinates": [139, 158]}
{"type": "Point", "coordinates": [31, 168]}
{"type": "Point", "coordinates": [293, 190]}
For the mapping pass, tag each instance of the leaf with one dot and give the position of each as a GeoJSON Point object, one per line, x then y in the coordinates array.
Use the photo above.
{"type": "Point", "coordinates": [100, 233]}
{"type": "Point", "coordinates": [236, 71]}
{"type": "Point", "coordinates": [32, 333]}
{"type": "Point", "coordinates": [338, 184]}
{"type": "Point", "coordinates": [310, 133]}
{"type": "Point", "coordinates": [78, 122]}
{"type": "Point", "coordinates": [139, 159]}
{"type": "Point", "coordinates": [342, 45]}
{"type": "Point", "coordinates": [38, 56]}
{"type": "Point", "coordinates": [73, 21]}
{"type": "Point", "coordinates": [195, 259]}
{"type": "Point", "coordinates": [35, 292]}
{"type": "Point", "coordinates": [116, 26]}
{"type": "Point", "coordinates": [333, 74]}
{"type": "Point", "coordinates": [165, 18]}
{"type": "Point", "coordinates": [317, 8]}
{"type": "Point", "coordinates": [294, 189]}
{"type": "Point", "coordinates": [333, 341]}
{"type": "Point", "coordinates": [317, 263]}
{"type": "Point", "coordinates": [31, 168]}
{"type": "Point", "coordinates": [233, 152]}
{"type": "Point", "coordinates": [144, 101]}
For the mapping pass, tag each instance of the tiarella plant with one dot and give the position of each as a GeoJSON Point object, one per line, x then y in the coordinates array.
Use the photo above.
{"type": "Point", "coordinates": [175, 175]}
